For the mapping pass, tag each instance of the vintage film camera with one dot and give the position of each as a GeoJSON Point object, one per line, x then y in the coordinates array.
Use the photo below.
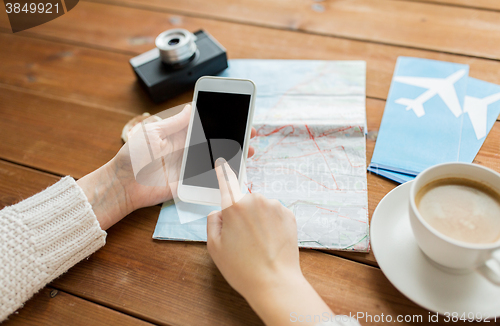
{"type": "Point", "coordinates": [179, 59]}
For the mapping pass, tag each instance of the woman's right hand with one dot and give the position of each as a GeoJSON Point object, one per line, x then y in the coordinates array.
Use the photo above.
{"type": "Point", "coordinates": [253, 242]}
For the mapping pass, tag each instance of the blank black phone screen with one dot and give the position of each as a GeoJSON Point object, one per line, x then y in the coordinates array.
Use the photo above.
{"type": "Point", "coordinates": [218, 130]}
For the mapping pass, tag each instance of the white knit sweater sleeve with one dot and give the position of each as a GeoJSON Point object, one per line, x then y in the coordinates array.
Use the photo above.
{"type": "Point", "coordinates": [41, 238]}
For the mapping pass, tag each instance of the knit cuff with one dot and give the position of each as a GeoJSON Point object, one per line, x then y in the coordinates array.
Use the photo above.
{"type": "Point", "coordinates": [63, 227]}
{"type": "Point", "coordinates": [42, 237]}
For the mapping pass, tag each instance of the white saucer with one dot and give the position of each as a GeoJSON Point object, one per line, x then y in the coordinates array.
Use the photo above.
{"type": "Point", "coordinates": [410, 271]}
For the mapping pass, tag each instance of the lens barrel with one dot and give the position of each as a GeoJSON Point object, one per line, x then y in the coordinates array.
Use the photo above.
{"type": "Point", "coordinates": [176, 46]}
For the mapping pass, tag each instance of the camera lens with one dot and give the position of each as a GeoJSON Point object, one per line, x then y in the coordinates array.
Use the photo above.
{"type": "Point", "coordinates": [173, 41]}
{"type": "Point", "coordinates": [176, 46]}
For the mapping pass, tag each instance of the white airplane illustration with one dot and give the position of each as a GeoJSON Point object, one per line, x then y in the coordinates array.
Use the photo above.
{"type": "Point", "coordinates": [440, 86]}
{"type": "Point", "coordinates": [477, 108]}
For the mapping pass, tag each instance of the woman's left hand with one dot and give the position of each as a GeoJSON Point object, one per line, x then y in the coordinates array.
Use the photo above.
{"type": "Point", "coordinates": [143, 173]}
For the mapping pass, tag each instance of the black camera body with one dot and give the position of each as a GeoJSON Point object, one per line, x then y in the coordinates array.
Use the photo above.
{"type": "Point", "coordinates": [177, 62]}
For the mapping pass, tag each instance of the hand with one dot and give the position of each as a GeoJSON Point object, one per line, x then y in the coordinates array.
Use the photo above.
{"type": "Point", "coordinates": [253, 242]}
{"type": "Point", "coordinates": [116, 189]}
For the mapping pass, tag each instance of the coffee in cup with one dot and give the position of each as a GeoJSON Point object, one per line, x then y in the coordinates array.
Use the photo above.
{"type": "Point", "coordinates": [462, 209]}
{"type": "Point", "coordinates": [454, 216]}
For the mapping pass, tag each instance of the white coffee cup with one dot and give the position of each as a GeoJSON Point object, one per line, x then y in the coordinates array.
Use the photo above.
{"type": "Point", "coordinates": [450, 254]}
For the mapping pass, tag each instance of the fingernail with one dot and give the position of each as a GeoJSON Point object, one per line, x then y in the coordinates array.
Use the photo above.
{"type": "Point", "coordinates": [220, 162]}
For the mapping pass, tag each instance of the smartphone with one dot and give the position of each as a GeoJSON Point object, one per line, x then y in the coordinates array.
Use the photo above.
{"type": "Point", "coordinates": [220, 126]}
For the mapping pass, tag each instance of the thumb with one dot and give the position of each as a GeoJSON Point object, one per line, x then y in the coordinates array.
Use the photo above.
{"type": "Point", "coordinates": [175, 123]}
{"type": "Point", "coordinates": [214, 227]}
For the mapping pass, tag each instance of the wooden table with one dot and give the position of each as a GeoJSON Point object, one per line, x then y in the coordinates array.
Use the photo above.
{"type": "Point", "coordinates": [66, 91]}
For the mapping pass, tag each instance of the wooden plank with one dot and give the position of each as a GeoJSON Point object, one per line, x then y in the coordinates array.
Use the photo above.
{"type": "Point", "coordinates": [478, 4]}
{"type": "Point", "coordinates": [176, 283]}
{"type": "Point", "coordinates": [63, 70]}
{"type": "Point", "coordinates": [56, 136]}
{"type": "Point", "coordinates": [80, 75]}
{"type": "Point", "coordinates": [412, 24]}
{"type": "Point", "coordinates": [53, 307]}
{"type": "Point", "coordinates": [25, 184]}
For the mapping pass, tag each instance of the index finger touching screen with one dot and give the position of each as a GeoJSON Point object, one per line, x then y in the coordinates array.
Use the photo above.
{"type": "Point", "coordinates": [228, 183]}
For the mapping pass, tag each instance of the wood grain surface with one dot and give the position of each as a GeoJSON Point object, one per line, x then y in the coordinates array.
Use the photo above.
{"type": "Point", "coordinates": [53, 307]}
{"type": "Point", "coordinates": [63, 150]}
{"type": "Point", "coordinates": [101, 26]}
{"type": "Point", "coordinates": [176, 283]}
{"type": "Point", "coordinates": [67, 89]}
{"type": "Point", "coordinates": [405, 23]}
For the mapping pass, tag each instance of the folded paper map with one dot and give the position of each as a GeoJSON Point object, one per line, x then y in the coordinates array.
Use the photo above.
{"type": "Point", "coordinates": [310, 152]}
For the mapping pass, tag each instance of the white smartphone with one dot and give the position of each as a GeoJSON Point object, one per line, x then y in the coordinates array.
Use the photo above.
{"type": "Point", "coordinates": [220, 126]}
